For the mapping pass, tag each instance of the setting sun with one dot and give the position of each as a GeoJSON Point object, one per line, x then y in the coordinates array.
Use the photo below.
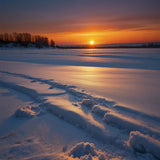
{"type": "Point", "coordinates": [91, 42]}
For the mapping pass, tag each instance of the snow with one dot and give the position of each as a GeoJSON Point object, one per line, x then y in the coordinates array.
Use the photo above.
{"type": "Point", "coordinates": [86, 151]}
{"type": "Point", "coordinates": [129, 124]}
{"type": "Point", "coordinates": [88, 102]}
{"type": "Point", "coordinates": [100, 110]}
{"type": "Point", "coordinates": [53, 106]}
{"type": "Point", "coordinates": [27, 111]}
{"type": "Point", "coordinates": [144, 143]}
{"type": "Point", "coordinates": [82, 149]}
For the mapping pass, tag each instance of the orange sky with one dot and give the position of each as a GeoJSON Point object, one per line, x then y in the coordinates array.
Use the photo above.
{"type": "Point", "coordinates": [78, 22]}
{"type": "Point", "coordinates": [106, 37]}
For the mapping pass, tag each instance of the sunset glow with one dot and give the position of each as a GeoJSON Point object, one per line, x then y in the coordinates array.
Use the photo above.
{"type": "Point", "coordinates": [79, 79]}
{"type": "Point", "coordinates": [106, 37]}
{"type": "Point", "coordinates": [91, 42]}
{"type": "Point", "coordinates": [104, 22]}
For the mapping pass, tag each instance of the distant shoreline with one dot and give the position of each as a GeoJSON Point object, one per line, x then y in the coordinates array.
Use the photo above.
{"type": "Point", "coordinates": [104, 46]}
{"type": "Point", "coordinates": [111, 46]}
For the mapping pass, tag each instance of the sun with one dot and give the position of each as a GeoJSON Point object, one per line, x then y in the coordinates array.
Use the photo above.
{"type": "Point", "coordinates": [91, 42]}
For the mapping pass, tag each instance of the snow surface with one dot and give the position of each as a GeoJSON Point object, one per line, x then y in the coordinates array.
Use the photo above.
{"type": "Point", "coordinates": [66, 112]}
{"type": "Point", "coordinates": [144, 144]}
{"type": "Point", "coordinates": [27, 111]}
{"type": "Point", "coordinates": [86, 151]}
{"type": "Point", "coordinates": [99, 110]}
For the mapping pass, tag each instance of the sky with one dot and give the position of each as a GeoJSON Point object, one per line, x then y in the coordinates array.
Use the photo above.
{"type": "Point", "coordinates": [80, 21]}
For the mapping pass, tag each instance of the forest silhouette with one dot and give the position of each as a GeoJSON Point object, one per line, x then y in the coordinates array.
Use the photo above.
{"type": "Point", "coordinates": [26, 40]}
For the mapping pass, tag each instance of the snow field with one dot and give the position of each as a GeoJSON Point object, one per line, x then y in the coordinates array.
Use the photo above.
{"type": "Point", "coordinates": [141, 137]}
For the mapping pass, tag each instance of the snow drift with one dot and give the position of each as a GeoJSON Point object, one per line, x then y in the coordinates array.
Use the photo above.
{"type": "Point", "coordinates": [27, 111]}
{"type": "Point", "coordinates": [101, 118]}
{"type": "Point", "coordinates": [128, 124]}
{"type": "Point", "coordinates": [88, 102]}
{"type": "Point", "coordinates": [86, 151]}
{"type": "Point", "coordinates": [99, 110]}
{"type": "Point", "coordinates": [144, 143]}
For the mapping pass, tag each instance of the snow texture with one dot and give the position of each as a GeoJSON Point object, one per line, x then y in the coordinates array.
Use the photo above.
{"type": "Point", "coordinates": [112, 126]}
{"type": "Point", "coordinates": [88, 102]}
{"type": "Point", "coordinates": [99, 110]}
{"type": "Point", "coordinates": [129, 124]}
{"type": "Point", "coordinates": [144, 143]}
{"type": "Point", "coordinates": [27, 111]}
{"type": "Point", "coordinates": [86, 151]}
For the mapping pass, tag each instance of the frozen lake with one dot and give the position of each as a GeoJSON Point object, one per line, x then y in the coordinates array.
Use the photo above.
{"type": "Point", "coordinates": [103, 99]}
{"type": "Point", "coordinates": [128, 76]}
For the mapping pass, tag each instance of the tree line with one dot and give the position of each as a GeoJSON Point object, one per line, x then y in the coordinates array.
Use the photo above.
{"type": "Point", "coordinates": [26, 40]}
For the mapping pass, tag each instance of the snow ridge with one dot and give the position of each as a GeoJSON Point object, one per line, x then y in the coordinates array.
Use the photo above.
{"type": "Point", "coordinates": [144, 144]}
